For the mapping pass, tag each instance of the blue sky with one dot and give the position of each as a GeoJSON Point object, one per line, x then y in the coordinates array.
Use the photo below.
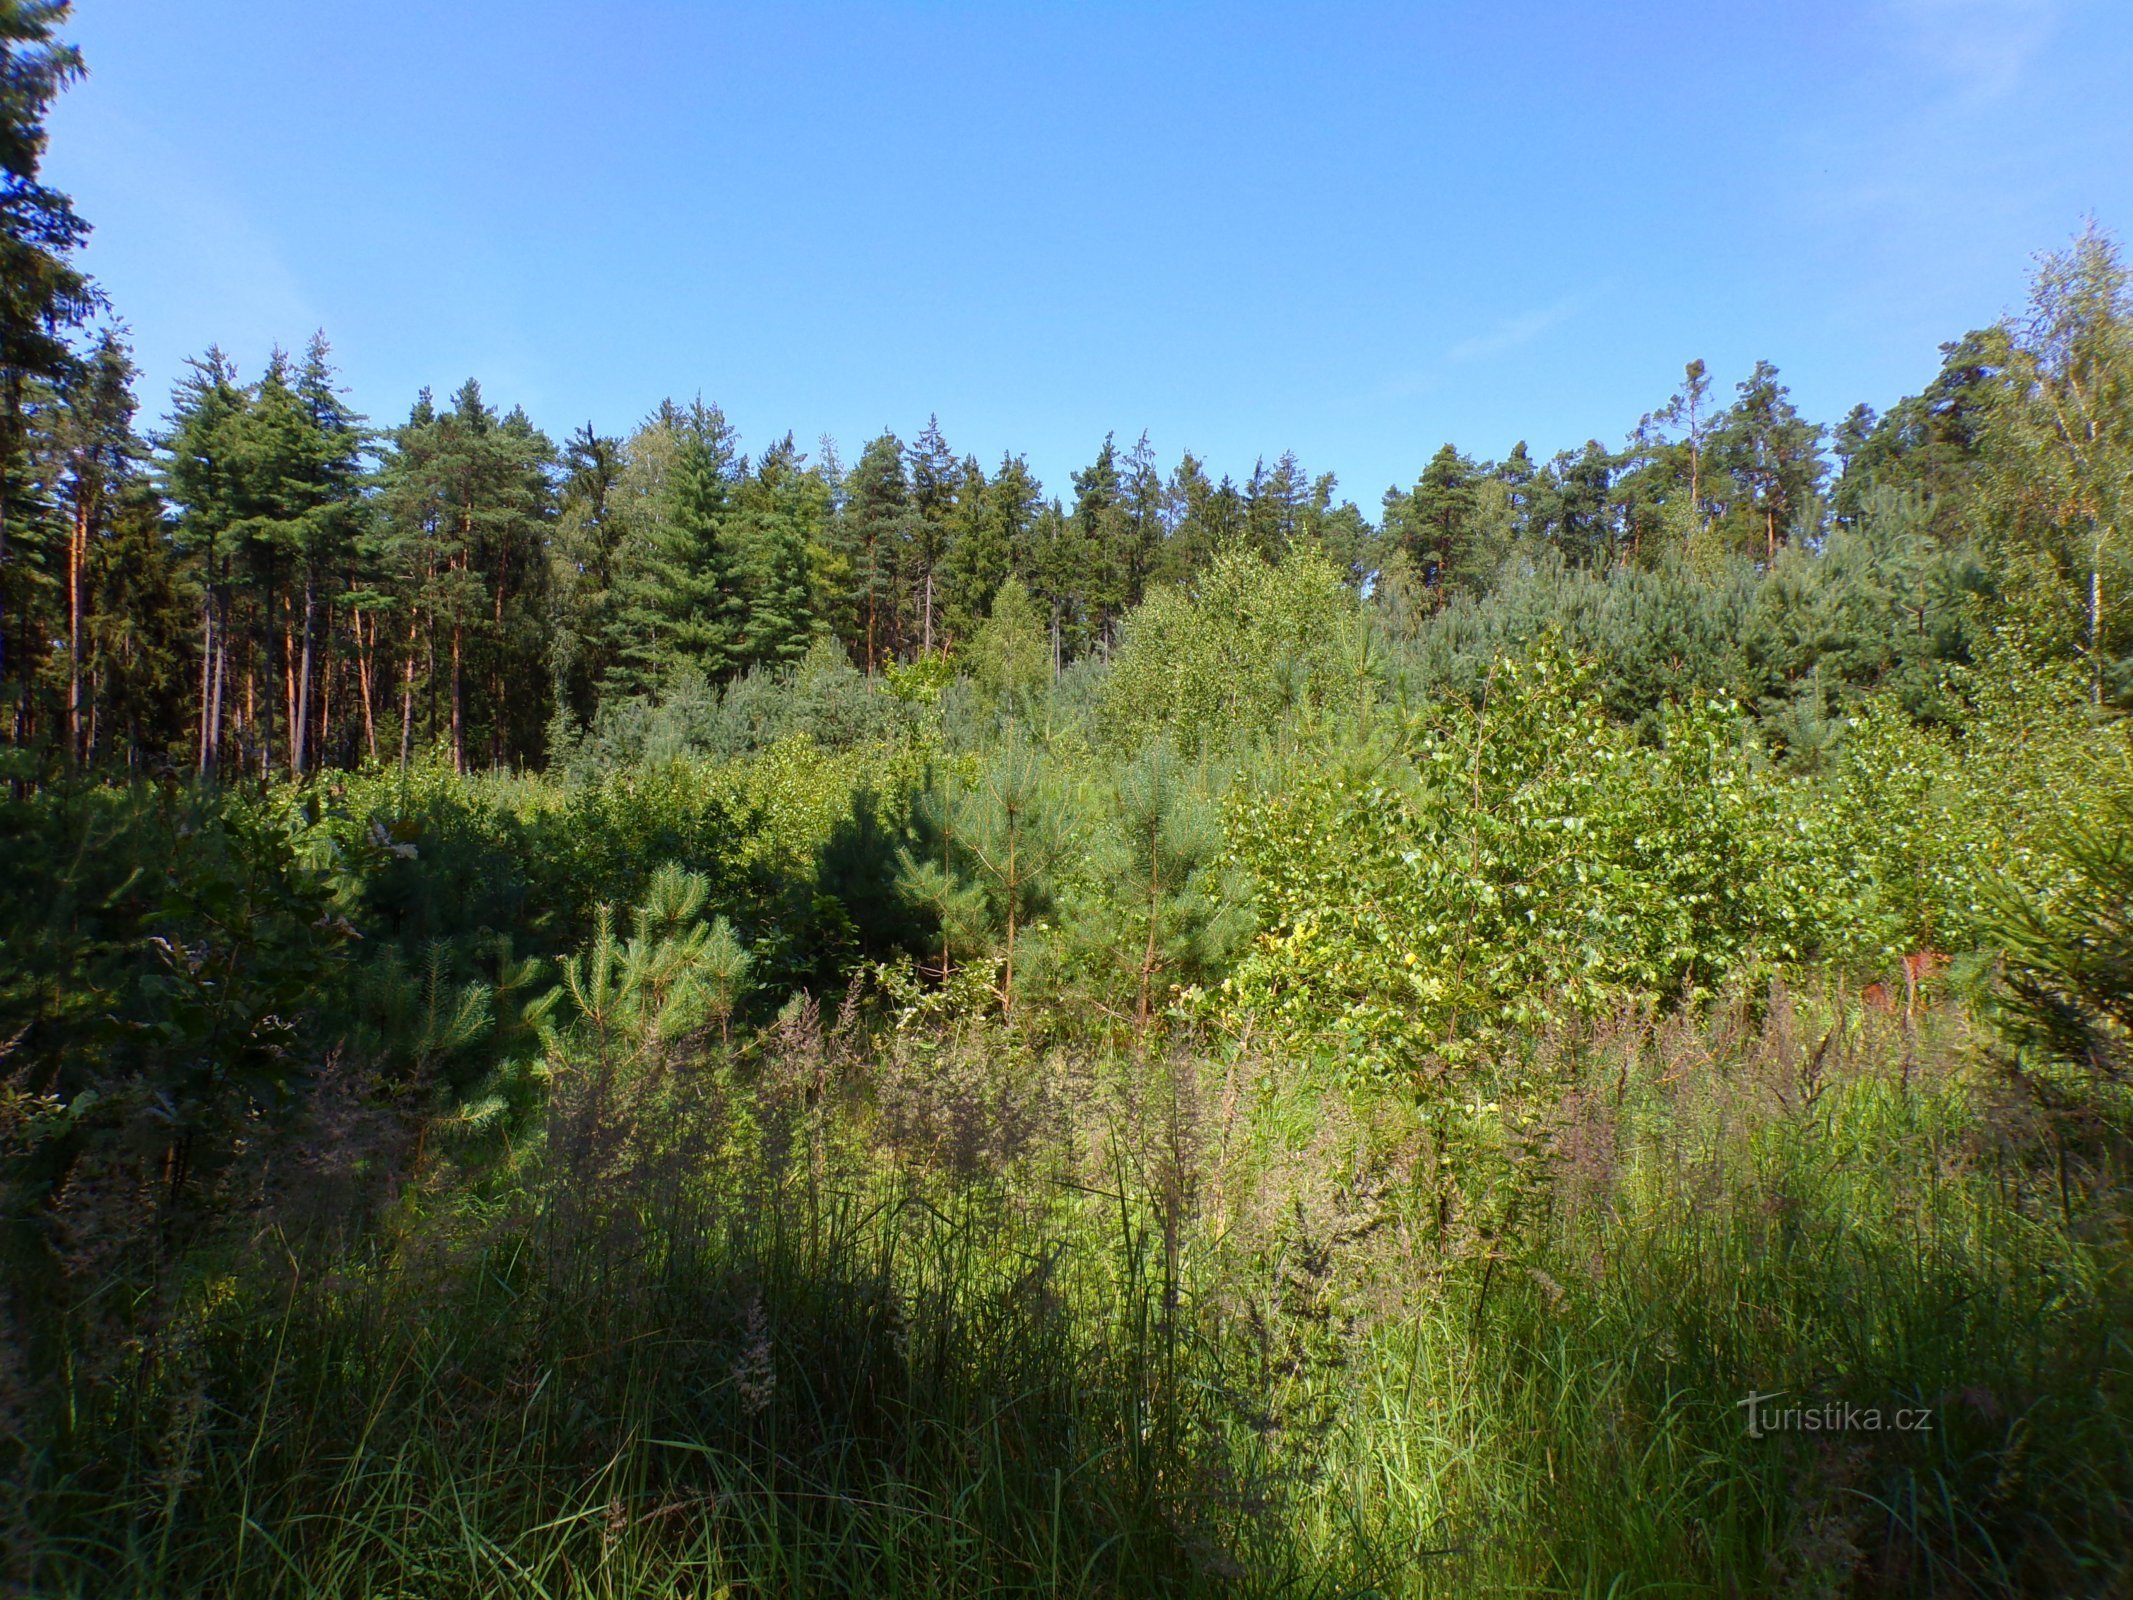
{"type": "Point", "coordinates": [1354, 231]}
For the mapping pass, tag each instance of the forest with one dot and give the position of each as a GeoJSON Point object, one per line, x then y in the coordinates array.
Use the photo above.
{"type": "Point", "coordinates": [674, 1015]}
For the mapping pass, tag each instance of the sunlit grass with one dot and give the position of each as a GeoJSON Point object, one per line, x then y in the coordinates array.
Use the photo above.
{"type": "Point", "coordinates": [1209, 1335]}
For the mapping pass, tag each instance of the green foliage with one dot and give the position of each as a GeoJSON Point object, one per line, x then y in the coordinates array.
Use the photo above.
{"type": "Point", "coordinates": [2069, 951]}
{"type": "Point", "coordinates": [987, 854]}
{"type": "Point", "coordinates": [1171, 913]}
{"type": "Point", "coordinates": [1429, 898]}
{"type": "Point", "coordinates": [1009, 659]}
{"type": "Point", "coordinates": [1213, 665]}
{"type": "Point", "coordinates": [675, 975]}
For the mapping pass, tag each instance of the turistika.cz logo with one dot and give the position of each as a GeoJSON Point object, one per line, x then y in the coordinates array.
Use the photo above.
{"type": "Point", "coordinates": [1831, 1416]}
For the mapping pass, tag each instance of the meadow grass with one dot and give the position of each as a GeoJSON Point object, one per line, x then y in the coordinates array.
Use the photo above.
{"type": "Point", "coordinates": [1214, 1324]}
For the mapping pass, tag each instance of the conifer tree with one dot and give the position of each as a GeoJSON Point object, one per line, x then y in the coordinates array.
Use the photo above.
{"type": "Point", "coordinates": [775, 505]}
{"type": "Point", "coordinates": [97, 460]}
{"type": "Point", "coordinates": [584, 594]}
{"type": "Point", "coordinates": [682, 607]}
{"type": "Point", "coordinates": [977, 558]}
{"type": "Point", "coordinates": [44, 297]}
{"type": "Point", "coordinates": [883, 528]}
{"type": "Point", "coordinates": [934, 476]}
{"type": "Point", "coordinates": [332, 512]}
{"type": "Point", "coordinates": [1772, 457]}
{"type": "Point", "coordinates": [988, 853]}
{"type": "Point", "coordinates": [201, 481]}
{"type": "Point", "coordinates": [1177, 914]}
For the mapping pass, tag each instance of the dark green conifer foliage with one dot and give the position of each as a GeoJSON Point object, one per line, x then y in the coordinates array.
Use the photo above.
{"type": "Point", "coordinates": [584, 598]}
{"type": "Point", "coordinates": [935, 477]}
{"type": "Point", "coordinates": [1573, 507]}
{"type": "Point", "coordinates": [988, 855]}
{"type": "Point", "coordinates": [980, 553]}
{"type": "Point", "coordinates": [776, 504]}
{"type": "Point", "coordinates": [682, 606]}
{"type": "Point", "coordinates": [883, 528]}
{"type": "Point", "coordinates": [1145, 505]}
{"type": "Point", "coordinates": [1089, 565]}
{"type": "Point", "coordinates": [1930, 444]}
{"type": "Point", "coordinates": [1274, 502]}
{"type": "Point", "coordinates": [93, 473]}
{"type": "Point", "coordinates": [43, 295]}
{"type": "Point", "coordinates": [1773, 459]}
{"type": "Point", "coordinates": [465, 499]}
{"type": "Point", "coordinates": [1173, 913]}
{"type": "Point", "coordinates": [332, 514]}
{"type": "Point", "coordinates": [1437, 526]}
{"type": "Point", "coordinates": [200, 479]}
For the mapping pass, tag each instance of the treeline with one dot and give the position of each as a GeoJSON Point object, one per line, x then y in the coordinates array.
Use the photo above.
{"type": "Point", "coordinates": [263, 582]}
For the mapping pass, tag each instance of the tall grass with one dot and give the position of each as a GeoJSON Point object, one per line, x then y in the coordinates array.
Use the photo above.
{"type": "Point", "coordinates": [946, 1319]}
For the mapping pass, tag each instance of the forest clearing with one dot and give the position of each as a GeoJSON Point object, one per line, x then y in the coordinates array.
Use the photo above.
{"type": "Point", "coordinates": [637, 1017]}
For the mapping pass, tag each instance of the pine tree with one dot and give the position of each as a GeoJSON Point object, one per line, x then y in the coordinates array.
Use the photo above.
{"type": "Point", "coordinates": [1439, 529]}
{"type": "Point", "coordinates": [465, 500]}
{"type": "Point", "coordinates": [201, 480]}
{"type": "Point", "coordinates": [332, 512]}
{"type": "Point", "coordinates": [883, 528]}
{"type": "Point", "coordinates": [1012, 828]}
{"type": "Point", "coordinates": [1573, 505]}
{"type": "Point", "coordinates": [1176, 913]}
{"type": "Point", "coordinates": [588, 531]}
{"type": "Point", "coordinates": [98, 457]}
{"type": "Point", "coordinates": [1773, 459]}
{"type": "Point", "coordinates": [43, 295]}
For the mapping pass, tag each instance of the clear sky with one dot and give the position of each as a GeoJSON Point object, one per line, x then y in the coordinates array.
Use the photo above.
{"type": "Point", "coordinates": [1354, 231]}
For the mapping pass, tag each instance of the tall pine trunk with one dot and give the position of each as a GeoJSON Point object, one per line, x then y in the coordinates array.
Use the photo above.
{"type": "Point", "coordinates": [459, 750]}
{"type": "Point", "coordinates": [77, 551]}
{"type": "Point", "coordinates": [366, 662]}
{"type": "Point", "coordinates": [496, 678]}
{"type": "Point", "coordinates": [207, 673]}
{"type": "Point", "coordinates": [300, 720]}
{"type": "Point", "coordinates": [407, 698]}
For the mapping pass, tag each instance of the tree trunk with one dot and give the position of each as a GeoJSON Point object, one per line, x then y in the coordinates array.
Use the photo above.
{"type": "Point", "coordinates": [300, 720]}
{"type": "Point", "coordinates": [459, 750]}
{"type": "Point", "coordinates": [1155, 906]}
{"type": "Point", "coordinates": [407, 699]}
{"type": "Point", "coordinates": [207, 674]}
{"type": "Point", "coordinates": [77, 550]}
{"type": "Point", "coordinates": [1007, 993]}
{"type": "Point", "coordinates": [366, 657]}
{"type": "Point", "coordinates": [496, 680]}
{"type": "Point", "coordinates": [2096, 619]}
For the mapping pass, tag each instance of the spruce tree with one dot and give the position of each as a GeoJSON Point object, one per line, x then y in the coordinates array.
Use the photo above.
{"type": "Point", "coordinates": [781, 507]}
{"type": "Point", "coordinates": [682, 607]}
{"type": "Point", "coordinates": [934, 477]}
{"type": "Point", "coordinates": [201, 482]}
